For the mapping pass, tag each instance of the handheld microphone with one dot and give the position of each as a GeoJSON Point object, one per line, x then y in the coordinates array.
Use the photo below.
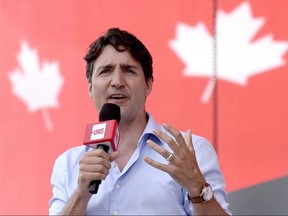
{"type": "Point", "coordinates": [103, 135]}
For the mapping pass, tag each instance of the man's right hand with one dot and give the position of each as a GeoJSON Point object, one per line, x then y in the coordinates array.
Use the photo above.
{"type": "Point", "coordinates": [94, 165]}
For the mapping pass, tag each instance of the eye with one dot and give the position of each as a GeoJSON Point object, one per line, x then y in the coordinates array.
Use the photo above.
{"type": "Point", "coordinates": [104, 71]}
{"type": "Point", "coordinates": [130, 71]}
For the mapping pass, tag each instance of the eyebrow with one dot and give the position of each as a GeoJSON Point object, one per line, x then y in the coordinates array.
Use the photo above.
{"type": "Point", "coordinates": [104, 67]}
{"type": "Point", "coordinates": [125, 66]}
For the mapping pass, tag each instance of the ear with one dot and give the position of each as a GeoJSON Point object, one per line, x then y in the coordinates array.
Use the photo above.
{"type": "Point", "coordinates": [149, 87]}
{"type": "Point", "coordinates": [90, 93]}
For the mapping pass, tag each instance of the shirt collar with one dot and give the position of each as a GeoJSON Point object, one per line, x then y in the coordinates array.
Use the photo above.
{"type": "Point", "coordinates": [148, 131]}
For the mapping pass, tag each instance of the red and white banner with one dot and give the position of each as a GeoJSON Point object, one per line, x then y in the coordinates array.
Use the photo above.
{"type": "Point", "coordinates": [44, 95]}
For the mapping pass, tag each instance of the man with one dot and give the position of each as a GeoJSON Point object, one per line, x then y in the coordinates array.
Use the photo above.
{"type": "Point", "coordinates": [156, 170]}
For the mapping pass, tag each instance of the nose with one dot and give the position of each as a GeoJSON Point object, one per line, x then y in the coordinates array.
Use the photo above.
{"type": "Point", "coordinates": [118, 79]}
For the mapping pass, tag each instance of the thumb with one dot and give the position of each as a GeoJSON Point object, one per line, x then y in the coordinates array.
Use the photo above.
{"type": "Point", "coordinates": [188, 140]}
{"type": "Point", "coordinates": [114, 155]}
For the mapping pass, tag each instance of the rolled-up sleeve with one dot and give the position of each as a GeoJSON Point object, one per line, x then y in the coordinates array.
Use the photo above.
{"type": "Point", "coordinates": [59, 193]}
{"type": "Point", "coordinates": [209, 165]}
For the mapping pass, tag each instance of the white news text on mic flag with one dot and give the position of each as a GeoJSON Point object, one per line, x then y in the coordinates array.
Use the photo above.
{"type": "Point", "coordinates": [98, 131]}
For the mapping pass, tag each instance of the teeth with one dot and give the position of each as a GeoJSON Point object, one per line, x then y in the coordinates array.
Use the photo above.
{"type": "Point", "coordinates": [117, 96]}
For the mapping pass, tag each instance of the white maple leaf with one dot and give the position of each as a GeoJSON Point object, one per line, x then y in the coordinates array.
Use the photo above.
{"type": "Point", "coordinates": [238, 55]}
{"type": "Point", "coordinates": [38, 86]}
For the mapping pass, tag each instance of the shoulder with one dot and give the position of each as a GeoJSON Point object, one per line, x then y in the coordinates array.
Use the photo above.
{"type": "Point", "coordinates": [205, 154]}
{"type": "Point", "coordinates": [202, 145]}
{"type": "Point", "coordinates": [71, 155]}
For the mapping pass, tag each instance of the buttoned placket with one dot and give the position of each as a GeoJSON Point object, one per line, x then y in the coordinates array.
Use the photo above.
{"type": "Point", "coordinates": [116, 173]}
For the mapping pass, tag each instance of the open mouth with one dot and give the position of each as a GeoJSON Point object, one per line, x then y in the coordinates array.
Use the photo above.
{"type": "Point", "coordinates": [117, 96]}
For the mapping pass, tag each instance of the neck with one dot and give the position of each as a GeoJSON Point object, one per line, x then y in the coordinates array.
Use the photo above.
{"type": "Point", "coordinates": [130, 131]}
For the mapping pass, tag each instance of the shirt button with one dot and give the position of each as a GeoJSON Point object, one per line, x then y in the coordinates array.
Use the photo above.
{"type": "Point", "coordinates": [117, 186]}
{"type": "Point", "coordinates": [115, 212]}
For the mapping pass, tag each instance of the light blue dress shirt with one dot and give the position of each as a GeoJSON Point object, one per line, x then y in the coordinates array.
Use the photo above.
{"type": "Point", "coordinates": [139, 189]}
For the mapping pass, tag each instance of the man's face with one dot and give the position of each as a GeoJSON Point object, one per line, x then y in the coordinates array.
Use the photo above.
{"type": "Point", "coordinates": [118, 78]}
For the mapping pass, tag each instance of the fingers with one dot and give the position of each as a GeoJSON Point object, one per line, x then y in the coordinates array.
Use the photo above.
{"type": "Point", "coordinates": [95, 157]}
{"type": "Point", "coordinates": [165, 153]}
{"type": "Point", "coordinates": [95, 165]}
{"type": "Point", "coordinates": [183, 166]}
{"type": "Point", "coordinates": [156, 164]}
{"type": "Point", "coordinates": [176, 134]}
{"type": "Point", "coordinates": [167, 139]}
{"type": "Point", "coordinates": [97, 153]}
{"type": "Point", "coordinates": [179, 144]}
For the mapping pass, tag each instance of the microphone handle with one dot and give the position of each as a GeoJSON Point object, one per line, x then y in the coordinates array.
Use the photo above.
{"type": "Point", "coordinates": [94, 185]}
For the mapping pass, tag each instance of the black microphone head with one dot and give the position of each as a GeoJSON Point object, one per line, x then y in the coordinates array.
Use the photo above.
{"type": "Point", "coordinates": [110, 111]}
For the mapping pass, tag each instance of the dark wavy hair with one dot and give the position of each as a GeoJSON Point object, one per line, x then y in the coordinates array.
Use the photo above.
{"type": "Point", "coordinates": [121, 40]}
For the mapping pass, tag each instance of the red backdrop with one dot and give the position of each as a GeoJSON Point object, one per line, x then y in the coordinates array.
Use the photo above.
{"type": "Point", "coordinates": [252, 117]}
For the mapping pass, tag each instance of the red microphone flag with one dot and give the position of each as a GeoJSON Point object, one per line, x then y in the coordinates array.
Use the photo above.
{"type": "Point", "coordinates": [104, 132]}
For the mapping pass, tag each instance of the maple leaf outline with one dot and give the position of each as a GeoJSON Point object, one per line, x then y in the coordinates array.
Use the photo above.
{"type": "Point", "coordinates": [238, 55]}
{"type": "Point", "coordinates": [38, 86]}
